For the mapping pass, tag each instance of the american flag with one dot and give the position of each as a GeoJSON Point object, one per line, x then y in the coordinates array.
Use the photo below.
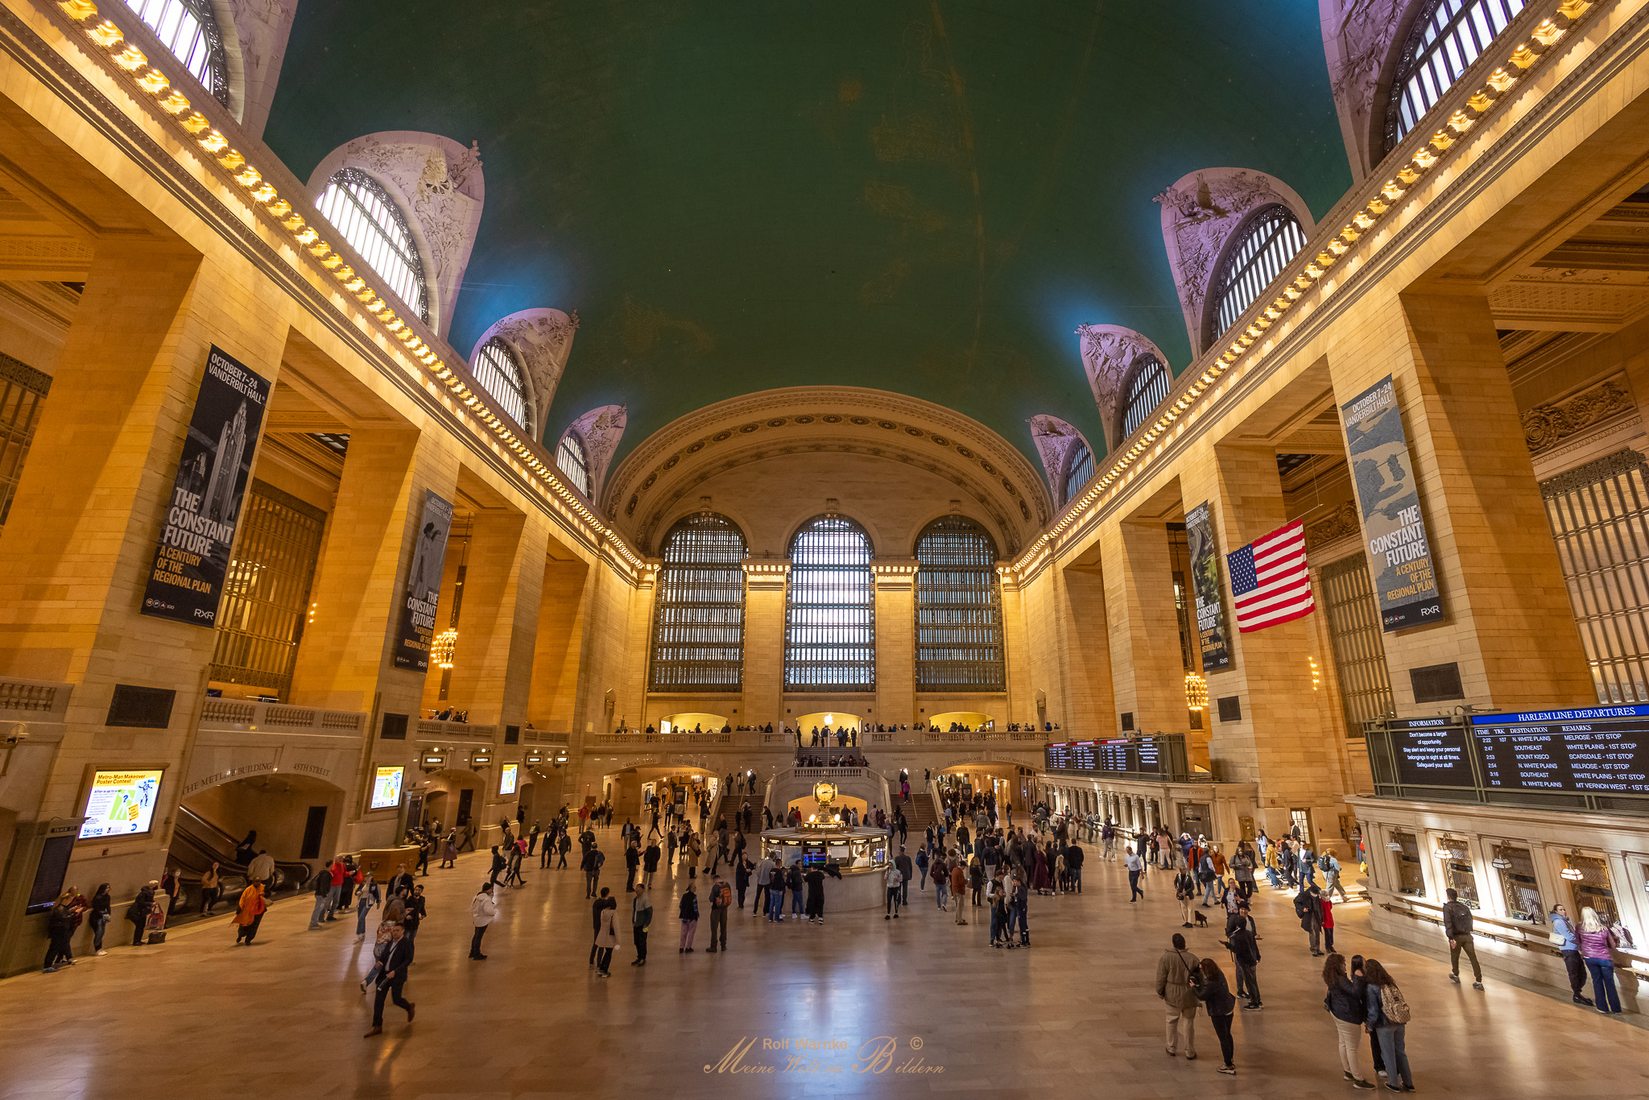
{"type": "Point", "coordinates": [1270, 579]}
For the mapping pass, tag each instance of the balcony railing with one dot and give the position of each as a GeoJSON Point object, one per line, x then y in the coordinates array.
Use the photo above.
{"type": "Point", "coordinates": [33, 700]}
{"type": "Point", "coordinates": [434, 729]}
{"type": "Point", "coordinates": [244, 715]}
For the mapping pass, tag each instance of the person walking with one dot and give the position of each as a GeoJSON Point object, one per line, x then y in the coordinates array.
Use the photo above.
{"type": "Point", "coordinates": [1388, 1016]}
{"type": "Point", "coordinates": [1309, 909]}
{"type": "Point", "coordinates": [958, 883]}
{"type": "Point", "coordinates": [603, 901]}
{"type": "Point", "coordinates": [392, 980]}
{"type": "Point", "coordinates": [894, 880]}
{"type": "Point", "coordinates": [721, 900]}
{"type": "Point", "coordinates": [815, 894]}
{"type": "Point", "coordinates": [1565, 938]}
{"type": "Point", "coordinates": [1185, 892]}
{"type": "Point", "coordinates": [688, 912]}
{"type": "Point", "coordinates": [1328, 921]}
{"type": "Point", "coordinates": [249, 912]}
{"type": "Point", "coordinates": [367, 897]}
{"type": "Point", "coordinates": [211, 889]}
{"type": "Point", "coordinates": [1345, 1002]}
{"type": "Point", "coordinates": [1174, 987]}
{"type": "Point", "coordinates": [1597, 941]}
{"type": "Point", "coordinates": [60, 925]}
{"type": "Point", "coordinates": [906, 871]}
{"type": "Point", "coordinates": [483, 911]}
{"type": "Point", "coordinates": [102, 909]}
{"type": "Point", "coordinates": [1209, 985]}
{"type": "Point", "coordinates": [1135, 866]}
{"type": "Point", "coordinates": [641, 918]}
{"type": "Point", "coordinates": [322, 889]}
{"type": "Point", "coordinates": [1457, 929]}
{"type": "Point", "coordinates": [1330, 865]}
{"type": "Point", "coordinates": [594, 857]}
{"type": "Point", "coordinates": [1245, 957]}
{"type": "Point", "coordinates": [764, 880]}
{"type": "Point", "coordinates": [606, 938]}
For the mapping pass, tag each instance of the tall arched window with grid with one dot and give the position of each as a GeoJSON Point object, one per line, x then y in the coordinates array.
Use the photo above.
{"type": "Point", "coordinates": [1147, 385]}
{"type": "Point", "coordinates": [1444, 40]}
{"type": "Point", "coordinates": [1265, 244]}
{"type": "Point", "coordinates": [359, 208]}
{"type": "Point", "coordinates": [958, 609]}
{"type": "Point", "coordinates": [186, 28]}
{"type": "Point", "coordinates": [1079, 470]}
{"type": "Point", "coordinates": [698, 613]}
{"type": "Point", "coordinates": [830, 609]}
{"type": "Point", "coordinates": [499, 373]}
{"type": "Point", "coordinates": [573, 462]}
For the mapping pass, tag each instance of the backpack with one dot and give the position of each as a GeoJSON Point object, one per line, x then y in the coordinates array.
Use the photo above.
{"type": "Point", "coordinates": [1323, 862]}
{"type": "Point", "coordinates": [1393, 1006]}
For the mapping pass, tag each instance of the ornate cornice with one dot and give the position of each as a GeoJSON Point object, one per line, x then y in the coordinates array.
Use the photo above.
{"type": "Point", "coordinates": [1338, 524]}
{"type": "Point", "coordinates": [1109, 353]}
{"type": "Point", "coordinates": [1548, 426]}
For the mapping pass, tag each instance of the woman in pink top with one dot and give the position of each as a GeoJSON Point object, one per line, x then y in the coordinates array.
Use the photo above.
{"type": "Point", "coordinates": [1596, 942]}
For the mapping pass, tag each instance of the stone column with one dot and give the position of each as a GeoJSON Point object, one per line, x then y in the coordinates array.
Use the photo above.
{"type": "Point", "coordinates": [895, 640]}
{"type": "Point", "coordinates": [1283, 740]}
{"type": "Point", "coordinates": [764, 586]}
{"type": "Point", "coordinates": [1508, 623]}
{"type": "Point", "coordinates": [498, 624]}
{"type": "Point", "coordinates": [1147, 670]}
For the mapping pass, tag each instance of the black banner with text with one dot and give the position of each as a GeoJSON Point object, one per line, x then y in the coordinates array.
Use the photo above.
{"type": "Point", "coordinates": [423, 588]}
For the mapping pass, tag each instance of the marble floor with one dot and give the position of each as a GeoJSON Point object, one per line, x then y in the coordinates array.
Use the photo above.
{"type": "Point", "coordinates": [915, 1007]}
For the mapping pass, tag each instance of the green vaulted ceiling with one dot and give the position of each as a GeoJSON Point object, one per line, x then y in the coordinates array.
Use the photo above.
{"type": "Point", "coordinates": [742, 194]}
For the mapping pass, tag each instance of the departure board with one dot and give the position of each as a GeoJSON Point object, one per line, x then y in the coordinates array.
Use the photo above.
{"type": "Point", "coordinates": [1115, 755]}
{"type": "Point", "coordinates": [1596, 750]}
{"type": "Point", "coordinates": [1148, 755]}
{"type": "Point", "coordinates": [1057, 756]}
{"type": "Point", "coordinates": [1431, 752]}
{"type": "Point", "coordinates": [1160, 755]}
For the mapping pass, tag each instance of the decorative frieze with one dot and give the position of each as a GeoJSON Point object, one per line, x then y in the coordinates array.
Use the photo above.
{"type": "Point", "coordinates": [1547, 426]}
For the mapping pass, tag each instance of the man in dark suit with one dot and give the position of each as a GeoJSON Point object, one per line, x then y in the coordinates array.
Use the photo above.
{"type": "Point", "coordinates": [397, 961]}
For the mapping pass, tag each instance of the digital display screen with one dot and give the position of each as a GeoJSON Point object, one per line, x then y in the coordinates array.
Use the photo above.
{"type": "Point", "coordinates": [1113, 756]}
{"type": "Point", "coordinates": [1596, 750]}
{"type": "Point", "coordinates": [1431, 752]}
{"type": "Point", "coordinates": [1057, 756]}
{"type": "Point", "coordinates": [507, 776]}
{"type": "Point", "coordinates": [813, 855]}
{"type": "Point", "coordinates": [121, 803]}
{"type": "Point", "coordinates": [386, 788]}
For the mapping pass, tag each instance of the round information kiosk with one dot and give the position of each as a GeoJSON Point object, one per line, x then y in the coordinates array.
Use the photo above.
{"type": "Point", "coordinates": [854, 858]}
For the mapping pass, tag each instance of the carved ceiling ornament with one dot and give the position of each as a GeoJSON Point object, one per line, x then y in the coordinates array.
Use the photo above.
{"type": "Point", "coordinates": [1200, 213]}
{"type": "Point", "coordinates": [542, 340]}
{"type": "Point", "coordinates": [1055, 440]}
{"type": "Point", "coordinates": [823, 416]}
{"type": "Point", "coordinates": [1345, 520]}
{"type": "Point", "coordinates": [1546, 426]}
{"type": "Point", "coordinates": [254, 45]}
{"type": "Point", "coordinates": [1359, 37]}
{"type": "Point", "coordinates": [1109, 352]}
{"type": "Point", "coordinates": [440, 187]}
{"type": "Point", "coordinates": [600, 429]}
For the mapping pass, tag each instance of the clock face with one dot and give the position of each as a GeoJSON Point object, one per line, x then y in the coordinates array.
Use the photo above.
{"type": "Point", "coordinates": [824, 792]}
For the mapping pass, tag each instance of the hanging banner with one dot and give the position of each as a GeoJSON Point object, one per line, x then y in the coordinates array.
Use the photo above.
{"type": "Point", "coordinates": [1212, 633]}
{"type": "Point", "coordinates": [423, 588]}
{"type": "Point", "coordinates": [192, 560]}
{"type": "Point", "coordinates": [1399, 554]}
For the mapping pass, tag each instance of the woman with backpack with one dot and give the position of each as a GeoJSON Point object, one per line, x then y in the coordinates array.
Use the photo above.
{"type": "Point", "coordinates": [1209, 984]}
{"type": "Point", "coordinates": [1388, 1017]}
{"type": "Point", "coordinates": [1346, 1002]}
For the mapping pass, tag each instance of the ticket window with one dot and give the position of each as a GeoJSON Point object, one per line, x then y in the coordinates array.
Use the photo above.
{"type": "Point", "coordinates": [1589, 886]}
{"type": "Point", "coordinates": [1514, 865]}
{"type": "Point", "coordinates": [1411, 879]}
{"type": "Point", "coordinates": [1458, 874]}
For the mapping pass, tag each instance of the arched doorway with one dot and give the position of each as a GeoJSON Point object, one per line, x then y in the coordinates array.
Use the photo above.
{"type": "Point", "coordinates": [295, 817]}
{"type": "Point", "coordinates": [452, 799]}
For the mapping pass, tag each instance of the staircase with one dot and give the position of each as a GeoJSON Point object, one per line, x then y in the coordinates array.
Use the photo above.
{"type": "Point", "coordinates": [919, 812]}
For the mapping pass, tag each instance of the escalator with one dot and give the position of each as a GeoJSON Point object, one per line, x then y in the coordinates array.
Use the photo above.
{"type": "Point", "coordinates": [196, 842]}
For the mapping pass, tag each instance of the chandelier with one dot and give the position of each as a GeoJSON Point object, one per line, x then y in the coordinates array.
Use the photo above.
{"type": "Point", "coordinates": [443, 646]}
{"type": "Point", "coordinates": [1196, 691]}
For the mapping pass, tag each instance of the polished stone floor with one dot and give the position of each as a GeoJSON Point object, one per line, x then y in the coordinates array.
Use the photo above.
{"type": "Point", "coordinates": [1075, 1016]}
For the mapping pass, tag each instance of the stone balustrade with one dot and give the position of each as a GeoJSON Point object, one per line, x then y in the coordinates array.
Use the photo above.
{"type": "Point", "coordinates": [245, 715]}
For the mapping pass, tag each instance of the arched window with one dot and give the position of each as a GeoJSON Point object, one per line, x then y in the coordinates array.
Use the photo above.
{"type": "Point", "coordinates": [499, 373]}
{"type": "Point", "coordinates": [1147, 386]}
{"type": "Point", "coordinates": [698, 616]}
{"type": "Point", "coordinates": [186, 27]}
{"type": "Point", "coordinates": [1263, 247]}
{"type": "Point", "coordinates": [358, 207]}
{"type": "Point", "coordinates": [1446, 38]}
{"type": "Point", "coordinates": [958, 609]}
{"type": "Point", "coordinates": [830, 609]}
{"type": "Point", "coordinates": [1079, 470]}
{"type": "Point", "coordinates": [571, 460]}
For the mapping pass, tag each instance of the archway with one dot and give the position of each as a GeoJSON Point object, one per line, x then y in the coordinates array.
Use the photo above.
{"type": "Point", "coordinates": [295, 818]}
{"type": "Point", "coordinates": [633, 789]}
{"type": "Point", "coordinates": [966, 721]}
{"type": "Point", "coordinates": [692, 721]}
{"type": "Point", "coordinates": [450, 798]}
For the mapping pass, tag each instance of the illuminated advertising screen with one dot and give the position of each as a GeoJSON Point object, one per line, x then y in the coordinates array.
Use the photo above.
{"type": "Point", "coordinates": [121, 803]}
{"type": "Point", "coordinates": [386, 788]}
{"type": "Point", "coordinates": [507, 779]}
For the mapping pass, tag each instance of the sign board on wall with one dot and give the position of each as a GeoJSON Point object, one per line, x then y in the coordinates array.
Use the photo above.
{"type": "Point", "coordinates": [1399, 553]}
{"type": "Point", "coordinates": [386, 788]}
{"type": "Point", "coordinates": [1212, 633]}
{"type": "Point", "coordinates": [507, 779]}
{"type": "Point", "coordinates": [121, 802]}
{"type": "Point", "coordinates": [192, 560]}
{"type": "Point", "coordinates": [423, 588]}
